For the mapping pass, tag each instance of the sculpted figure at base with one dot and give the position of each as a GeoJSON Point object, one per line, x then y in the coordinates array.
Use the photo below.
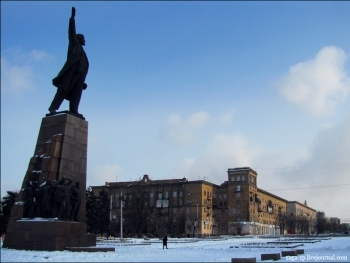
{"type": "Point", "coordinates": [61, 197]}
{"type": "Point", "coordinates": [30, 207]}
{"type": "Point", "coordinates": [52, 199]}
{"type": "Point", "coordinates": [74, 197]}
{"type": "Point", "coordinates": [70, 81]}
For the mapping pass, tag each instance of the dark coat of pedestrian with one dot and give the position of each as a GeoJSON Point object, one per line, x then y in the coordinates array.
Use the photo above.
{"type": "Point", "coordinates": [165, 242]}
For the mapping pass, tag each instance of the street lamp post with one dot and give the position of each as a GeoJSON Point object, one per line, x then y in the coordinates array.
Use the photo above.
{"type": "Point", "coordinates": [121, 211]}
{"type": "Point", "coordinates": [197, 222]}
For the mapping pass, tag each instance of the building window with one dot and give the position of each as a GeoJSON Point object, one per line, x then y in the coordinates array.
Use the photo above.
{"type": "Point", "coordinates": [225, 196]}
{"type": "Point", "coordinates": [174, 210]}
{"type": "Point", "coordinates": [225, 203]}
{"type": "Point", "coordinates": [166, 195]}
{"type": "Point", "coordinates": [238, 202]}
{"type": "Point", "coordinates": [220, 203]}
{"type": "Point", "coordinates": [174, 201]}
{"type": "Point", "coordinates": [238, 178]}
{"type": "Point", "coordinates": [220, 196]}
{"type": "Point", "coordinates": [188, 210]}
{"type": "Point", "coordinates": [188, 193]}
{"type": "Point", "coordinates": [222, 227]}
{"type": "Point", "coordinates": [151, 194]}
{"type": "Point", "coordinates": [243, 178]}
{"type": "Point", "coordinates": [205, 193]}
{"type": "Point", "coordinates": [180, 193]}
{"type": "Point", "coordinates": [174, 194]}
{"type": "Point", "coordinates": [232, 178]}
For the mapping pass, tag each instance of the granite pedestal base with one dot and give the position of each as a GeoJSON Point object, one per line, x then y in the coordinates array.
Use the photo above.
{"type": "Point", "coordinates": [60, 152]}
{"type": "Point", "coordinates": [49, 235]}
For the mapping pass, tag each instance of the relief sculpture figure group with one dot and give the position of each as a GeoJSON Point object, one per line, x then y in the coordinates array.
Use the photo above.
{"type": "Point", "coordinates": [52, 199]}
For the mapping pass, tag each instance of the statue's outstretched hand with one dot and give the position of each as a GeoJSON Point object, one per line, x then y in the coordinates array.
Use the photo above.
{"type": "Point", "coordinates": [73, 12]}
{"type": "Point", "coordinates": [85, 86]}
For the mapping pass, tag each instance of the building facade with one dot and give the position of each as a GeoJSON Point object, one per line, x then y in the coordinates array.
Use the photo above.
{"type": "Point", "coordinates": [301, 219]}
{"type": "Point", "coordinates": [195, 208]}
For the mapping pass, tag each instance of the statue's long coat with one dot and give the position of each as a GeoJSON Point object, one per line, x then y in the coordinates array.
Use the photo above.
{"type": "Point", "coordinates": [75, 69]}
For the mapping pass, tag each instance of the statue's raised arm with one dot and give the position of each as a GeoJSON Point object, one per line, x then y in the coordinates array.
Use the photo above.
{"type": "Point", "coordinates": [72, 34]}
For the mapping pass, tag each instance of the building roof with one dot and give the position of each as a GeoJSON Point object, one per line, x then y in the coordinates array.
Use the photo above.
{"type": "Point", "coordinates": [272, 195]}
{"type": "Point", "coordinates": [308, 207]}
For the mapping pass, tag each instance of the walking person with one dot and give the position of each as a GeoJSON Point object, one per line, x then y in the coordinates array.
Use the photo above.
{"type": "Point", "coordinates": [165, 242]}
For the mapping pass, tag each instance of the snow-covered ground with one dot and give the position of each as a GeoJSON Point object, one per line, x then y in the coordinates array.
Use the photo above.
{"type": "Point", "coordinates": [335, 249]}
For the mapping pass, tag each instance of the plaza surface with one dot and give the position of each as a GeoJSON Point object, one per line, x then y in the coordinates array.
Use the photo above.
{"type": "Point", "coordinates": [327, 249]}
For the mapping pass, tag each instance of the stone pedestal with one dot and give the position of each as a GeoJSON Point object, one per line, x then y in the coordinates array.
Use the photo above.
{"type": "Point", "coordinates": [49, 235]}
{"type": "Point", "coordinates": [60, 151]}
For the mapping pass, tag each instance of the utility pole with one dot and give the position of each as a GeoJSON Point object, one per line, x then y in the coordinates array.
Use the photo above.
{"type": "Point", "coordinates": [121, 211]}
{"type": "Point", "coordinates": [197, 221]}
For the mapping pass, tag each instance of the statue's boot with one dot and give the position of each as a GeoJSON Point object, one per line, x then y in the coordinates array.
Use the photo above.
{"type": "Point", "coordinates": [56, 102]}
{"type": "Point", "coordinates": [75, 96]}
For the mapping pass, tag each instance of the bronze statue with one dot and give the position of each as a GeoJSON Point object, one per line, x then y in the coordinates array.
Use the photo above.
{"type": "Point", "coordinates": [61, 198]}
{"type": "Point", "coordinates": [74, 197]}
{"type": "Point", "coordinates": [70, 81]}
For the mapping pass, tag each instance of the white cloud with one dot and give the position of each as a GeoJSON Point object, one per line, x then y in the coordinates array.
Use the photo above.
{"type": "Point", "coordinates": [16, 78]}
{"type": "Point", "coordinates": [104, 173]}
{"type": "Point", "coordinates": [224, 151]}
{"type": "Point", "coordinates": [226, 118]}
{"type": "Point", "coordinates": [318, 85]}
{"type": "Point", "coordinates": [327, 164]}
{"type": "Point", "coordinates": [182, 130]}
{"type": "Point", "coordinates": [18, 67]}
{"type": "Point", "coordinates": [39, 55]}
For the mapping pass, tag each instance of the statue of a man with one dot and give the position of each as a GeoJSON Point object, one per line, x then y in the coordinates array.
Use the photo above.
{"type": "Point", "coordinates": [70, 81]}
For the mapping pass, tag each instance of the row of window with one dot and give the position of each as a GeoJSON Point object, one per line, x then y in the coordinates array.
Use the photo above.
{"type": "Point", "coordinates": [242, 178]}
{"type": "Point", "coordinates": [164, 195]}
{"type": "Point", "coordinates": [236, 192]}
{"type": "Point", "coordinates": [209, 193]}
{"type": "Point", "coordinates": [237, 178]}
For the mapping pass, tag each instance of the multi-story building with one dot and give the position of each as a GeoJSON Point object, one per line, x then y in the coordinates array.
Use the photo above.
{"type": "Point", "coordinates": [302, 218]}
{"type": "Point", "coordinates": [195, 208]}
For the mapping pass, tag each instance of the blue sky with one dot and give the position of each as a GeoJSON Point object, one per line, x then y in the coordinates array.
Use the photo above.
{"type": "Point", "coordinates": [190, 89]}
